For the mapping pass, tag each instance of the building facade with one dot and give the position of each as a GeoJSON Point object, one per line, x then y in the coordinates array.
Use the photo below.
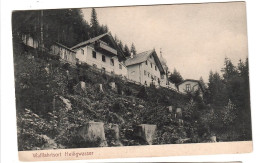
{"type": "Point", "coordinates": [145, 68]}
{"type": "Point", "coordinates": [65, 53]}
{"type": "Point", "coordinates": [103, 53]}
{"type": "Point", "coordinates": [190, 85]}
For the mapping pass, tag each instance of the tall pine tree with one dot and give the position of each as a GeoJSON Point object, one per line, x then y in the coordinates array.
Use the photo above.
{"type": "Point", "coordinates": [95, 28]}
{"type": "Point", "coordinates": [175, 77]}
{"type": "Point", "coordinates": [126, 51]}
{"type": "Point", "coordinates": [133, 49]}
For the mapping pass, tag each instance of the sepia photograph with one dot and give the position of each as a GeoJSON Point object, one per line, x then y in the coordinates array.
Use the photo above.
{"type": "Point", "coordinates": [131, 76]}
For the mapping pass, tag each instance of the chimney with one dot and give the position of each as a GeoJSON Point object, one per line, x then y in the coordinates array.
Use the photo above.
{"type": "Point", "coordinates": [132, 55]}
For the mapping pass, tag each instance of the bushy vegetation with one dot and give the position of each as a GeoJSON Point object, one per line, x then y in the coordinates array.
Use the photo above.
{"type": "Point", "coordinates": [228, 96]}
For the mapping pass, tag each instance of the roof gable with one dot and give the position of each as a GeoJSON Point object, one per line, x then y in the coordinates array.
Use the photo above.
{"type": "Point", "coordinates": [63, 46]}
{"type": "Point", "coordinates": [158, 62]}
{"type": "Point", "coordinates": [191, 80]}
{"type": "Point", "coordinates": [144, 56]}
{"type": "Point", "coordinates": [106, 37]}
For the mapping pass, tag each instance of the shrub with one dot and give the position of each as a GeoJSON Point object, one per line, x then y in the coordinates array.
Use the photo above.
{"type": "Point", "coordinates": [66, 66]}
{"type": "Point", "coordinates": [142, 93]}
{"type": "Point", "coordinates": [128, 91]}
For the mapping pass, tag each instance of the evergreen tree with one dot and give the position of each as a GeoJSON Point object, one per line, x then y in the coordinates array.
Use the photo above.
{"type": "Point", "coordinates": [65, 26]}
{"type": "Point", "coordinates": [217, 90]}
{"type": "Point", "coordinates": [95, 28]}
{"type": "Point", "coordinates": [202, 83]}
{"type": "Point", "coordinates": [175, 77]}
{"type": "Point", "coordinates": [133, 50]}
{"type": "Point", "coordinates": [120, 44]}
{"type": "Point", "coordinates": [103, 29]}
{"type": "Point", "coordinates": [116, 39]}
{"type": "Point", "coordinates": [126, 51]}
{"type": "Point", "coordinates": [229, 70]}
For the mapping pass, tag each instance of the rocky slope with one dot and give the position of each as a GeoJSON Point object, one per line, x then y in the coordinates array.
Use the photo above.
{"type": "Point", "coordinates": [54, 100]}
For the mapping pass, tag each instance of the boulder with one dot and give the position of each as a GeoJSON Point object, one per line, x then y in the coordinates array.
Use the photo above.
{"type": "Point", "coordinates": [30, 56]}
{"type": "Point", "coordinates": [115, 134]}
{"type": "Point", "coordinates": [47, 70]}
{"type": "Point", "coordinates": [213, 139]}
{"type": "Point", "coordinates": [140, 106]}
{"type": "Point", "coordinates": [146, 132]}
{"type": "Point", "coordinates": [179, 113]}
{"type": "Point", "coordinates": [59, 101]}
{"type": "Point", "coordinates": [101, 88]}
{"type": "Point", "coordinates": [112, 85]}
{"type": "Point", "coordinates": [50, 143]}
{"type": "Point", "coordinates": [181, 141]}
{"type": "Point", "coordinates": [83, 85]}
{"type": "Point", "coordinates": [93, 132]}
{"type": "Point", "coordinates": [170, 108]}
{"type": "Point", "coordinates": [180, 121]}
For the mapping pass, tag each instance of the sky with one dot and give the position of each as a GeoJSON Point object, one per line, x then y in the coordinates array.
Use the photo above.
{"type": "Point", "coordinates": [193, 38]}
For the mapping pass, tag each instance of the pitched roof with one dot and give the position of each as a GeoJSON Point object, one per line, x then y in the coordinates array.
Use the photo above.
{"type": "Point", "coordinates": [92, 40]}
{"type": "Point", "coordinates": [142, 57]}
{"type": "Point", "coordinates": [138, 58]}
{"type": "Point", "coordinates": [65, 47]}
{"type": "Point", "coordinates": [89, 41]}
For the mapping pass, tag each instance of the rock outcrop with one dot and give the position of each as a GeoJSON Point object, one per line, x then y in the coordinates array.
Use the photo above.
{"type": "Point", "coordinates": [93, 132]}
{"type": "Point", "coordinates": [146, 132]}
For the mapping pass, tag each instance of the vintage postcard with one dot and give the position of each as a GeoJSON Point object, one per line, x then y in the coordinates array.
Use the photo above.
{"type": "Point", "coordinates": [132, 81]}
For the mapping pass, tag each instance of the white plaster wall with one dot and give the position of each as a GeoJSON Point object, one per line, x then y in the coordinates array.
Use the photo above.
{"type": "Point", "coordinates": [151, 71]}
{"type": "Point", "coordinates": [88, 58]}
{"type": "Point", "coordinates": [134, 73]}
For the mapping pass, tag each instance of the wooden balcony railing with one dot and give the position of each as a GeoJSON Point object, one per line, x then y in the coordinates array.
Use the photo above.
{"type": "Point", "coordinates": [107, 48]}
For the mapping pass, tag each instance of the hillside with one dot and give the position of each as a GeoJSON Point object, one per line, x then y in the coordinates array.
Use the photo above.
{"type": "Point", "coordinates": [52, 105]}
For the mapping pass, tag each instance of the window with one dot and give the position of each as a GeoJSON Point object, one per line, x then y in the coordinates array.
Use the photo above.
{"type": "Point", "coordinates": [155, 68]}
{"type": "Point", "coordinates": [151, 76]}
{"type": "Point", "coordinates": [94, 54]}
{"type": "Point", "coordinates": [112, 62]}
{"type": "Point", "coordinates": [103, 69]}
{"type": "Point", "coordinates": [151, 65]}
{"type": "Point", "coordinates": [146, 62]}
{"type": "Point", "coordinates": [103, 58]}
{"type": "Point", "coordinates": [148, 74]}
{"type": "Point", "coordinates": [144, 72]}
{"type": "Point", "coordinates": [82, 51]}
{"type": "Point", "coordinates": [188, 87]}
{"type": "Point", "coordinates": [120, 66]}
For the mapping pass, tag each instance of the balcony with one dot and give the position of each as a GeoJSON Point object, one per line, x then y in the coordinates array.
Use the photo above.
{"type": "Point", "coordinates": [105, 48]}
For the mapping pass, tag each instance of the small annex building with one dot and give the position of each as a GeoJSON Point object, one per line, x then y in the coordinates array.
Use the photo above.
{"type": "Point", "coordinates": [190, 85]}
{"type": "Point", "coordinates": [102, 52]}
{"type": "Point", "coordinates": [145, 68]}
{"type": "Point", "coordinates": [65, 53]}
{"type": "Point", "coordinates": [30, 41]}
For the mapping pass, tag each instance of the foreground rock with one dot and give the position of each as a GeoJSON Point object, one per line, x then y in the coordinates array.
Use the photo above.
{"type": "Point", "coordinates": [93, 133]}
{"type": "Point", "coordinates": [146, 132]}
{"type": "Point", "coordinates": [61, 102]}
{"type": "Point", "coordinates": [114, 134]}
{"type": "Point", "coordinates": [112, 85]}
{"type": "Point", "coordinates": [83, 85]}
